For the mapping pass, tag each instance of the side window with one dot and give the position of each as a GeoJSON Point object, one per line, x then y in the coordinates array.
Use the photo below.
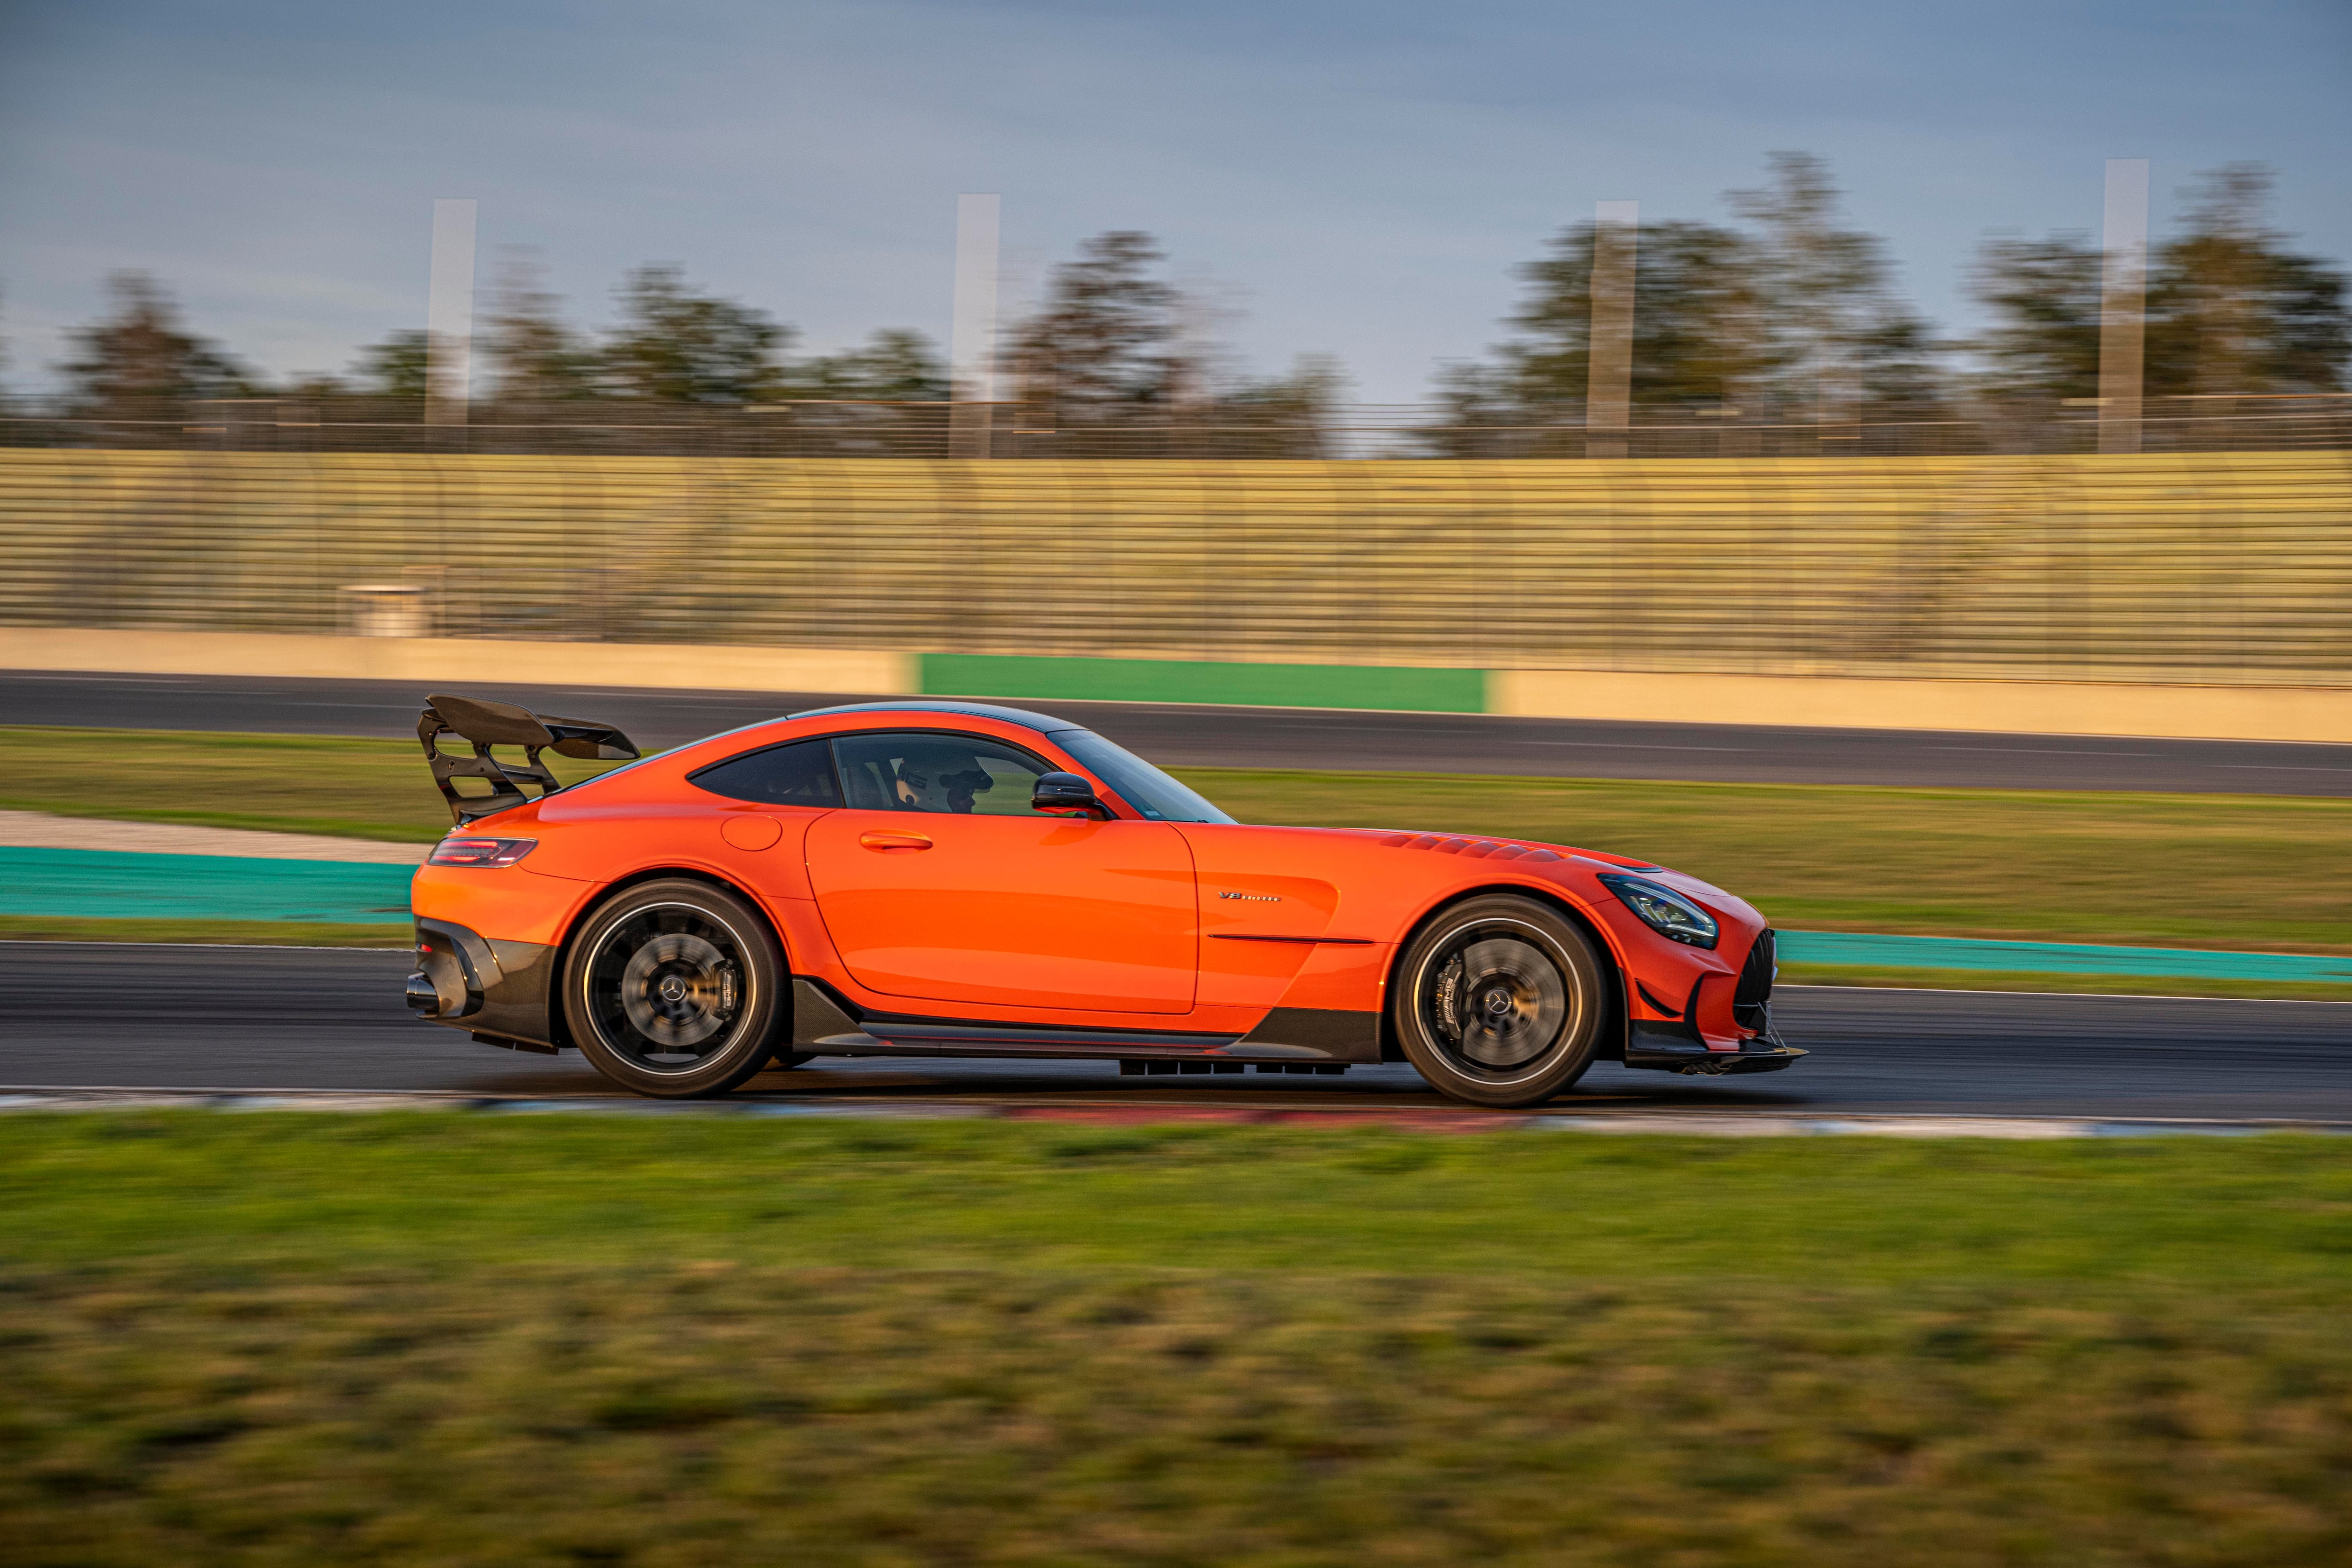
{"type": "Point", "coordinates": [917, 772]}
{"type": "Point", "coordinates": [800, 774]}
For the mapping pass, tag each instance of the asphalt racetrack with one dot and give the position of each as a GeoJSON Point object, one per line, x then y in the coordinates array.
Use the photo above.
{"type": "Point", "coordinates": [1269, 737]}
{"type": "Point", "coordinates": [179, 1017]}
{"type": "Point", "coordinates": [176, 1017]}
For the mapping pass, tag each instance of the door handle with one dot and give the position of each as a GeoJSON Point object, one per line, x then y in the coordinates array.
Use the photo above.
{"type": "Point", "coordinates": [886, 840]}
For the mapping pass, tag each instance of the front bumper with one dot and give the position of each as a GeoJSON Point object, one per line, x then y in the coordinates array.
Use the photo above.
{"type": "Point", "coordinates": [1680, 1046]}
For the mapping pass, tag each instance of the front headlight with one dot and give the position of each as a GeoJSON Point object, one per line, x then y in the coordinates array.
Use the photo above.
{"type": "Point", "coordinates": [1664, 910]}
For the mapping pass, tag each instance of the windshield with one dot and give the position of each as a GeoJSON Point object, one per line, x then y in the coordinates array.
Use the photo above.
{"type": "Point", "coordinates": [1141, 786]}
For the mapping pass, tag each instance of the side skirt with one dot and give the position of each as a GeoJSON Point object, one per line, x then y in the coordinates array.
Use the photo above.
{"type": "Point", "coordinates": [825, 1022]}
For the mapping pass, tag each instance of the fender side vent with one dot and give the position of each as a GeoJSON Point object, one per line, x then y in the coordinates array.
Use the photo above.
{"type": "Point", "coordinates": [1476, 849]}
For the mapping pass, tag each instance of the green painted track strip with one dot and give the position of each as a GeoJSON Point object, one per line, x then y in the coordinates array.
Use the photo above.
{"type": "Point", "coordinates": [97, 884]}
{"type": "Point", "coordinates": [1402, 689]}
{"type": "Point", "coordinates": [1862, 951]}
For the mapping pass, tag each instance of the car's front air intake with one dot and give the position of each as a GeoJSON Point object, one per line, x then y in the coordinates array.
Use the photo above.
{"type": "Point", "coordinates": [1755, 987]}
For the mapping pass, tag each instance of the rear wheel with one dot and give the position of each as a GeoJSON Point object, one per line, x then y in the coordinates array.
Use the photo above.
{"type": "Point", "coordinates": [674, 989]}
{"type": "Point", "coordinates": [1499, 1001]}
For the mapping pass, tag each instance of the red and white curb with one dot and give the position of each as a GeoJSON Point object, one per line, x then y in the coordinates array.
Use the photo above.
{"type": "Point", "coordinates": [1101, 1113]}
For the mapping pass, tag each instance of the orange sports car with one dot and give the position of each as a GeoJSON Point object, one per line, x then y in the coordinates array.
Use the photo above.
{"type": "Point", "coordinates": [923, 877]}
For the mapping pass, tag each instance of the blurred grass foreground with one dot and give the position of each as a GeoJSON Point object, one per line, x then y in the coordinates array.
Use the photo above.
{"type": "Point", "coordinates": [408, 1339]}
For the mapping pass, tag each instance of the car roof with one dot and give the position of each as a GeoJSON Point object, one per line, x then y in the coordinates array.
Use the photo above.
{"type": "Point", "coordinates": [1044, 723]}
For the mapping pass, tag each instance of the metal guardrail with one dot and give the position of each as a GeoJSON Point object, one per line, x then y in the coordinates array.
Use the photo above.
{"type": "Point", "coordinates": [2214, 567]}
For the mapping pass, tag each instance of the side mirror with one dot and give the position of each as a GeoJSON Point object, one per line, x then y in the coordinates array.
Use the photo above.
{"type": "Point", "coordinates": [1067, 794]}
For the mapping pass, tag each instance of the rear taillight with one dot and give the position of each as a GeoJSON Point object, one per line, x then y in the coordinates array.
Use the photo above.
{"type": "Point", "coordinates": [486, 854]}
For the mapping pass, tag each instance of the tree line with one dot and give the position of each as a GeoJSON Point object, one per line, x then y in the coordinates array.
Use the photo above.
{"type": "Point", "coordinates": [1789, 316]}
{"type": "Point", "coordinates": [673, 346]}
{"type": "Point", "coordinates": [1112, 342]}
{"type": "Point", "coordinates": [1784, 315]}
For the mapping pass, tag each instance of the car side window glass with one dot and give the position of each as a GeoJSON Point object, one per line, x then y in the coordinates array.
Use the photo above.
{"type": "Point", "coordinates": [800, 774]}
{"type": "Point", "coordinates": [918, 771]}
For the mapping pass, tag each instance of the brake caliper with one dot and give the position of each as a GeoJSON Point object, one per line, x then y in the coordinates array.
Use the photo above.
{"type": "Point", "coordinates": [1448, 998]}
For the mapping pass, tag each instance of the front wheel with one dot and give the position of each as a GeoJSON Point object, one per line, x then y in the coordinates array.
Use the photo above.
{"type": "Point", "coordinates": [1499, 1001]}
{"type": "Point", "coordinates": [674, 989]}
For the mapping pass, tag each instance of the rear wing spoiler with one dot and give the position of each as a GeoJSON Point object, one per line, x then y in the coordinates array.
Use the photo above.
{"type": "Point", "coordinates": [485, 723]}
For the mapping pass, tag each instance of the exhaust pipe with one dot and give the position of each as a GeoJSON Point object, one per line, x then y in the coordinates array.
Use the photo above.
{"type": "Point", "coordinates": [423, 995]}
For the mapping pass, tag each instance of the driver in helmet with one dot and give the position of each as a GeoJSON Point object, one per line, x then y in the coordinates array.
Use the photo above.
{"type": "Point", "coordinates": [941, 777]}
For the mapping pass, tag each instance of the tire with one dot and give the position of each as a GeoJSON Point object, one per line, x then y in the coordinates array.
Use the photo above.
{"type": "Point", "coordinates": [1500, 1001]}
{"type": "Point", "coordinates": [674, 989]}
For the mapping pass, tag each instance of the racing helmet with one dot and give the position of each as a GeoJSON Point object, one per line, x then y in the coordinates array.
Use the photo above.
{"type": "Point", "coordinates": [940, 776]}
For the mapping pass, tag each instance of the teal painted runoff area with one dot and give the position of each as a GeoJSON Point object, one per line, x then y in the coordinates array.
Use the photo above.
{"type": "Point", "coordinates": [93, 884]}
{"type": "Point", "coordinates": [1864, 950]}
{"type": "Point", "coordinates": [1396, 688]}
{"type": "Point", "coordinates": [98, 884]}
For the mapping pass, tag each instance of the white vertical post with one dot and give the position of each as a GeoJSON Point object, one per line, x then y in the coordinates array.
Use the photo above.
{"type": "Point", "coordinates": [1608, 359]}
{"type": "Point", "coordinates": [972, 345]}
{"type": "Point", "coordinates": [2122, 305]}
{"type": "Point", "coordinates": [449, 315]}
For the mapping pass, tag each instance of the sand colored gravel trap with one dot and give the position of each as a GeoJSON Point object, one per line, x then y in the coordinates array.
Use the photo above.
{"type": "Point", "coordinates": [38, 830]}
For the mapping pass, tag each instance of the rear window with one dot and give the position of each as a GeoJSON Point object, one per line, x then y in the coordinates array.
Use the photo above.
{"type": "Point", "coordinates": [800, 774]}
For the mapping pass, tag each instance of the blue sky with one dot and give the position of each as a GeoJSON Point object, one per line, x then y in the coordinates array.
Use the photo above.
{"type": "Point", "coordinates": [1355, 178]}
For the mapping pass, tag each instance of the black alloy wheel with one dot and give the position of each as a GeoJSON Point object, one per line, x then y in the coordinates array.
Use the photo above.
{"type": "Point", "coordinates": [675, 989]}
{"type": "Point", "coordinates": [1500, 1001]}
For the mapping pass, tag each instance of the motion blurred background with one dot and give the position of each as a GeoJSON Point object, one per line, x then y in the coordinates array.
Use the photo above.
{"type": "Point", "coordinates": [1044, 330]}
{"type": "Point", "coordinates": [1895, 462]}
{"type": "Point", "coordinates": [1369, 413]}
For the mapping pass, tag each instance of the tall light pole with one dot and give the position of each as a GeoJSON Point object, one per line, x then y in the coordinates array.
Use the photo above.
{"type": "Point", "coordinates": [972, 341]}
{"type": "Point", "coordinates": [2123, 306]}
{"type": "Point", "coordinates": [1609, 358]}
{"type": "Point", "coordinates": [449, 315]}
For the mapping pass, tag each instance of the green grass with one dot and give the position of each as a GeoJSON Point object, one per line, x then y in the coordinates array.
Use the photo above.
{"type": "Point", "coordinates": [2071, 985]}
{"type": "Point", "coordinates": [240, 934]}
{"type": "Point", "coordinates": [2246, 871]}
{"type": "Point", "coordinates": [284, 783]}
{"type": "Point", "coordinates": [441, 1339]}
{"type": "Point", "coordinates": [299, 1191]}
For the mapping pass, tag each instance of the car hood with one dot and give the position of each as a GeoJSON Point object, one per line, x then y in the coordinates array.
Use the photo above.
{"type": "Point", "coordinates": [1705, 893]}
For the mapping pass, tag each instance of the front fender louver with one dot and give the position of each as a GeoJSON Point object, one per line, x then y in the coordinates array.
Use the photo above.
{"type": "Point", "coordinates": [1468, 848]}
